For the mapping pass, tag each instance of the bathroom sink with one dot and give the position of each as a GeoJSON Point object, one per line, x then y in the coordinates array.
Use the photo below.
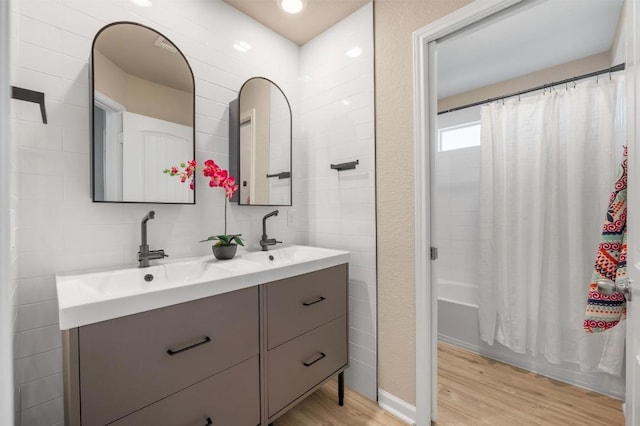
{"type": "Point", "coordinates": [287, 255]}
{"type": "Point", "coordinates": [89, 297]}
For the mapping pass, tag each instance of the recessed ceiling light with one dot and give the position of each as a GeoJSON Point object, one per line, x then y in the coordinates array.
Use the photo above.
{"type": "Point", "coordinates": [242, 46]}
{"type": "Point", "coordinates": [354, 52]}
{"type": "Point", "coordinates": [291, 6]}
{"type": "Point", "coordinates": [142, 3]}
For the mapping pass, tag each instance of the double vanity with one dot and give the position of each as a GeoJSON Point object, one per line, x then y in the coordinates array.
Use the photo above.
{"type": "Point", "coordinates": [201, 341]}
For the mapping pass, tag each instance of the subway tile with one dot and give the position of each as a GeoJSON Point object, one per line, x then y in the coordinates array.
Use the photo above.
{"type": "Point", "coordinates": [76, 139]}
{"type": "Point", "coordinates": [361, 290]}
{"type": "Point", "coordinates": [40, 34]}
{"type": "Point", "coordinates": [363, 378]}
{"type": "Point", "coordinates": [39, 187]}
{"type": "Point", "coordinates": [37, 315]}
{"type": "Point", "coordinates": [77, 46]}
{"type": "Point", "coordinates": [50, 85]}
{"type": "Point", "coordinates": [36, 289]}
{"type": "Point", "coordinates": [46, 414]}
{"type": "Point", "coordinates": [363, 355]}
{"type": "Point", "coordinates": [362, 307]}
{"type": "Point", "coordinates": [78, 237]}
{"type": "Point", "coordinates": [38, 136]}
{"type": "Point", "coordinates": [76, 189]}
{"type": "Point", "coordinates": [362, 323]}
{"type": "Point", "coordinates": [33, 367]}
{"type": "Point", "coordinates": [41, 390]}
{"type": "Point", "coordinates": [36, 341]}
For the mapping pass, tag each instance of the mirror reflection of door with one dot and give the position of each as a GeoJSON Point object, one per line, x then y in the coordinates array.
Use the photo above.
{"type": "Point", "coordinates": [247, 141]}
{"type": "Point", "coordinates": [108, 146]}
{"type": "Point", "coordinates": [264, 144]}
{"type": "Point", "coordinates": [140, 79]}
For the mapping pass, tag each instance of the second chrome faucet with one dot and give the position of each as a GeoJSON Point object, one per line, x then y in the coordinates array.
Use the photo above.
{"type": "Point", "coordinates": [265, 241]}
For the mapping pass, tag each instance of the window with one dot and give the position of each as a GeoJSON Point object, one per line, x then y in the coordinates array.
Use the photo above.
{"type": "Point", "coordinates": [456, 137]}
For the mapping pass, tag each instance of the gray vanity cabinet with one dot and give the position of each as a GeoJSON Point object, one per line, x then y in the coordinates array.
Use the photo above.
{"type": "Point", "coordinates": [306, 334]}
{"type": "Point", "coordinates": [236, 359]}
{"type": "Point", "coordinates": [129, 363]}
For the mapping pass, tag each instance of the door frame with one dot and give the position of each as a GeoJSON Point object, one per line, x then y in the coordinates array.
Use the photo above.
{"type": "Point", "coordinates": [632, 82]}
{"type": "Point", "coordinates": [425, 112]}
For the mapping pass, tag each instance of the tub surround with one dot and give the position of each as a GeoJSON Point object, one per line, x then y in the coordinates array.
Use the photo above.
{"type": "Point", "coordinates": [242, 340]}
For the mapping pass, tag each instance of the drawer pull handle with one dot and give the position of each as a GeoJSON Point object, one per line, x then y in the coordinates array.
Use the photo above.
{"type": "Point", "coordinates": [209, 422]}
{"type": "Point", "coordinates": [313, 302]}
{"type": "Point", "coordinates": [171, 352]}
{"type": "Point", "coordinates": [309, 364]}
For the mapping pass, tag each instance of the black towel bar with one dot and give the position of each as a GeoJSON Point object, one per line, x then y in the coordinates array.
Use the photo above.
{"type": "Point", "coordinates": [345, 166]}
{"type": "Point", "coordinates": [30, 96]}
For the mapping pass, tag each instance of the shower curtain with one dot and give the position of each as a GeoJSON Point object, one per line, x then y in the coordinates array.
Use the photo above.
{"type": "Point", "coordinates": [547, 165]}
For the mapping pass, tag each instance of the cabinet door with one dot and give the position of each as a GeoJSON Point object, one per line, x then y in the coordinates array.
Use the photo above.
{"type": "Point", "coordinates": [230, 398]}
{"type": "Point", "coordinates": [298, 304]}
{"type": "Point", "coordinates": [131, 362]}
{"type": "Point", "coordinates": [298, 365]}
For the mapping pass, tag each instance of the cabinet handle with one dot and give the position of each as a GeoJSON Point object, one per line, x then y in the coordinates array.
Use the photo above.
{"type": "Point", "coordinates": [171, 352]}
{"type": "Point", "coordinates": [313, 302]}
{"type": "Point", "coordinates": [309, 364]}
{"type": "Point", "coordinates": [209, 422]}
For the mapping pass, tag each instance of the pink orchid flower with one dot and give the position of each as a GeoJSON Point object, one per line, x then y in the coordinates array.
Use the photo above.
{"type": "Point", "coordinates": [218, 177]}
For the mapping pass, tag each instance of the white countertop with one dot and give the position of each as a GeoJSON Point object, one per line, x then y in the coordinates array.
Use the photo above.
{"type": "Point", "coordinates": [93, 296]}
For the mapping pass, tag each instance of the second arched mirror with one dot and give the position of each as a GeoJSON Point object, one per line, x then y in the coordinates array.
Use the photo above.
{"type": "Point", "coordinates": [260, 144]}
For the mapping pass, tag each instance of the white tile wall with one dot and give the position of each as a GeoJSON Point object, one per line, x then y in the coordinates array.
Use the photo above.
{"type": "Point", "coordinates": [457, 204]}
{"type": "Point", "coordinates": [59, 228]}
{"type": "Point", "coordinates": [337, 106]}
{"type": "Point", "coordinates": [457, 210]}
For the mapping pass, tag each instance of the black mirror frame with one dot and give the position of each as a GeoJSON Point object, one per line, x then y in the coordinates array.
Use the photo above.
{"type": "Point", "coordinates": [92, 124]}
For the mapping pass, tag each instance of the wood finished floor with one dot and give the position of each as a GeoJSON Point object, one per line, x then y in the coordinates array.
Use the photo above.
{"type": "Point", "coordinates": [321, 409]}
{"type": "Point", "coordinates": [472, 390]}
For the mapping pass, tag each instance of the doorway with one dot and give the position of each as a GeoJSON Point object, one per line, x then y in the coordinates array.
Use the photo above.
{"type": "Point", "coordinates": [428, 53]}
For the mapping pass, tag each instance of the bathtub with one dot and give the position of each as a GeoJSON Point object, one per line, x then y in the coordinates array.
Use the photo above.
{"type": "Point", "coordinates": [458, 292]}
{"type": "Point", "coordinates": [458, 325]}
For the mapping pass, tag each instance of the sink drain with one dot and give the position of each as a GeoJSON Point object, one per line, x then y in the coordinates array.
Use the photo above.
{"type": "Point", "coordinates": [148, 277]}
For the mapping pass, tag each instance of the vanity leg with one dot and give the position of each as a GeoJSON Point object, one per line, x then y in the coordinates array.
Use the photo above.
{"type": "Point", "coordinates": [341, 389]}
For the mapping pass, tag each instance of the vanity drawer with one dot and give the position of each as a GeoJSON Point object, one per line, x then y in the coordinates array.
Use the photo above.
{"type": "Point", "coordinates": [131, 362]}
{"type": "Point", "coordinates": [302, 363]}
{"type": "Point", "coordinates": [299, 304]}
{"type": "Point", "coordinates": [230, 398]}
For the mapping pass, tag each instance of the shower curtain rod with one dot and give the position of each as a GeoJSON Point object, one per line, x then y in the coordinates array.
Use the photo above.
{"type": "Point", "coordinates": [619, 67]}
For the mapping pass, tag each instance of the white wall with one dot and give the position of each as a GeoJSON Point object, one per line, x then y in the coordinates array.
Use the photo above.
{"type": "Point", "coordinates": [59, 228]}
{"type": "Point", "coordinates": [338, 126]}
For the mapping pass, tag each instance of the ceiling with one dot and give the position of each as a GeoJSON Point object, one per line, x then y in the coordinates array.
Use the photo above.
{"type": "Point", "coordinates": [316, 17]}
{"type": "Point", "coordinates": [132, 48]}
{"type": "Point", "coordinates": [538, 35]}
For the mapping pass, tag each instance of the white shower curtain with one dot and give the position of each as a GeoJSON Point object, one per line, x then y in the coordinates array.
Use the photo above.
{"type": "Point", "coordinates": [548, 163]}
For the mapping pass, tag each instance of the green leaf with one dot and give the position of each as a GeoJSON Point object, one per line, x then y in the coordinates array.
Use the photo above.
{"type": "Point", "coordinates": [225, 240]}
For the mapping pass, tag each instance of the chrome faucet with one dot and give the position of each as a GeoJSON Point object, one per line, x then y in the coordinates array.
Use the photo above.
{"type": "Point", "coordinates": [145, 255]}
{"type": "Point", "coordinates": [265, 242]}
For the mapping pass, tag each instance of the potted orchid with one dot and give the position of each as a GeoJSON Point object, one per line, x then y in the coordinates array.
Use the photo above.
{"type": "Point", "coordinates": [226, 244]}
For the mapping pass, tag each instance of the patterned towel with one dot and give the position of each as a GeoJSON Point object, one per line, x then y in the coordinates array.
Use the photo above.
{"type": "Point", "coordinates": [604, 312]}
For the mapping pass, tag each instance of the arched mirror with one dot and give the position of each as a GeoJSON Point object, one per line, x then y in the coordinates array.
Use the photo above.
{"type": "Point", "coordinates": [262, 141]}
{"type": "Point", "coordinates": [143, 115]}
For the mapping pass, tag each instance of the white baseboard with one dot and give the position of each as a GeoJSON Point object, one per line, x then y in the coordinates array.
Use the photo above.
{"type": "Point", "coordinates": [396, 406]}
